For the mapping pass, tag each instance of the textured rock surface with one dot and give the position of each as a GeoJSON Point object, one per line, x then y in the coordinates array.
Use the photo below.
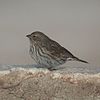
{"type": "Point", "coordinates": [41, 84]}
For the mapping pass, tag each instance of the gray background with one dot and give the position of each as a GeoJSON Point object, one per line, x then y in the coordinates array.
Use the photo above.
{"type": "Point", "coordinates": [75, 24]}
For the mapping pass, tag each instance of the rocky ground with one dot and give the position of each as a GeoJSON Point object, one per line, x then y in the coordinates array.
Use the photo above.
{"type": "Point", "coordinates": [41, 84]}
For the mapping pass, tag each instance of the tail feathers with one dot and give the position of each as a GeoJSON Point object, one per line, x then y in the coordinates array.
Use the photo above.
{"type": "Point", "coordinates": [77, 59]}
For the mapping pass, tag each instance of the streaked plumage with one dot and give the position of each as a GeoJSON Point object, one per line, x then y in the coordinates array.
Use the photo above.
{"type": "Point", "coordinates": [47, 52]}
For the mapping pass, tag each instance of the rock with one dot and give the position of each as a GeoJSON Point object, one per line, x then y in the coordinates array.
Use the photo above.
{"type": "Point", "coordinates": [41, 84]}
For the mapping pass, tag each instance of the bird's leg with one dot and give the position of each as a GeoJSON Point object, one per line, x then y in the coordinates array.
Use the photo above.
{"type": "Point", "coordinates": [51, 69]}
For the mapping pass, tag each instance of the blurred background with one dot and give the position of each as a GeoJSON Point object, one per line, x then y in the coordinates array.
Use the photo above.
{"type": "Point", "coordinates": [75, 24]}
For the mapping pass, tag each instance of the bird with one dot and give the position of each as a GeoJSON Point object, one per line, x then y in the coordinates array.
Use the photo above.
{"type": "Point", "coordinates": [48, 53]}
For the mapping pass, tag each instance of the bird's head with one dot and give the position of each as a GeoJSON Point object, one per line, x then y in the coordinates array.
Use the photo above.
{"type": "Point", "coordinates": [37, 38]}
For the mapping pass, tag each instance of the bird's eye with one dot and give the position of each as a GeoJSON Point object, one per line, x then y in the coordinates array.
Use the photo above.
{"type": "Point", "coordinates": [34, 36]}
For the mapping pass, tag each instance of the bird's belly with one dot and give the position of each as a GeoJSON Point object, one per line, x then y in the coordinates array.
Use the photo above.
{"type": "Point", "coordinates": [47, 61]}
{"type": "Point", "coordinates": [43, 59]}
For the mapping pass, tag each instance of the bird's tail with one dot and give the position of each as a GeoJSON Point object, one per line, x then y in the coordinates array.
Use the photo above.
{"type": "Point", "coordinates": [77, 59]}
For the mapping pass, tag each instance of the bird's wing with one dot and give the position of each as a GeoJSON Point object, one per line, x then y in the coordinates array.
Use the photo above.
{"type": "Point", "coordinates": [56, 50]}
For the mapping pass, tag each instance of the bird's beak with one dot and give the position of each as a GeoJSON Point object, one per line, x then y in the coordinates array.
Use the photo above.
{"type": "Point", "coordinates": [28, 36]}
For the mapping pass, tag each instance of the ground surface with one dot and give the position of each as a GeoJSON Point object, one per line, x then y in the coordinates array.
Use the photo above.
{"type": "Point", "coordinates": [26, 83]}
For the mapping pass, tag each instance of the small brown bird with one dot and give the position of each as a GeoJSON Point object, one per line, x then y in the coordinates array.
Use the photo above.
{"type": "Point", "coordinates": [47, 52]}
